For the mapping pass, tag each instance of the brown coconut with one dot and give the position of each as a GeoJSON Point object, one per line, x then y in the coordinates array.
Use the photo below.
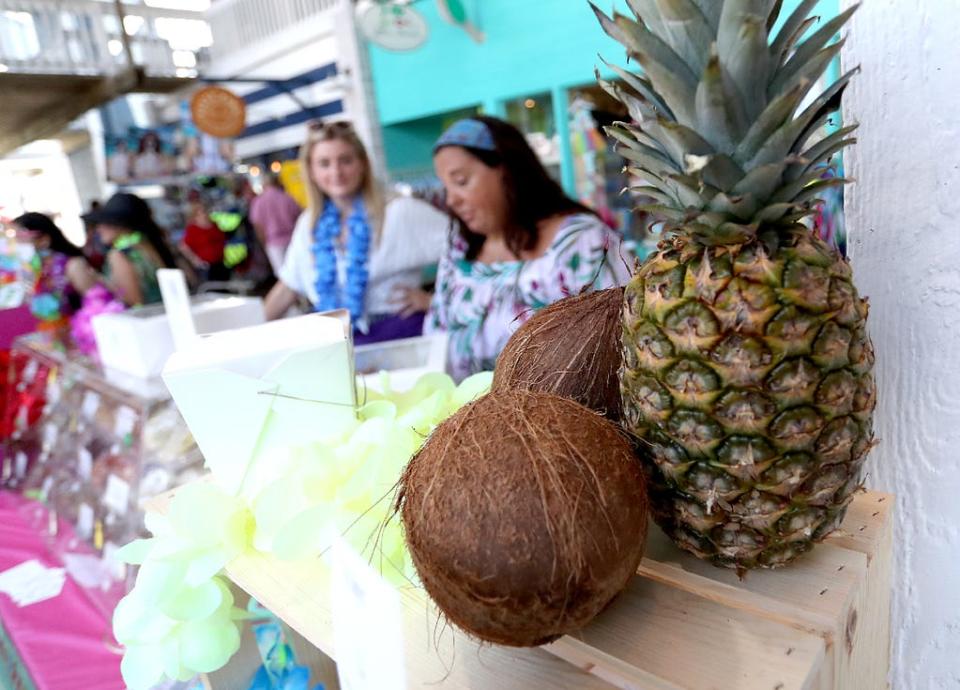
{"type": "Point", "coordinates": [570, 348]}
{"type": "Point", "coordinates": [525, 514]}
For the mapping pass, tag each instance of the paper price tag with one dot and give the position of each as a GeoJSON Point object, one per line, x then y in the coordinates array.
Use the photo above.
{"type": "Point", "coordinates": [50, 433]}
{"type": "Point", "coordinates": [30, 371]}
{"type": "Point", "coordinates": [53, 387]}
{"type": "Point", "coordinates": [155, 481]}
{"type": "Point", "coordinates": [84, 521]}
{"type": "Point", "coordinates": [20, 466]}
{"type": "Point", "coordinates": [91, 401]}
{"type": "Point", "coordinates": [117, 568]}
{"type": "Point", "coordinates": [124, 421]}
{"type": "Point", "coordinates": [367, 624]}
{"type": "Point", "coordinates": [23, 418]}
{"type": "Point", "coordinates": [45, 488]}
{"type": "Point", "coordinates": [84, 464]}
{"type": "Point", "coordinates": [31, 582]}
{"type": "Point", "coordinates": [117, 494]}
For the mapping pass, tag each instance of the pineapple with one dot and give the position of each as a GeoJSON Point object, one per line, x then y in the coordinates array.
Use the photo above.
{"type": "Point", "coordinates": [746, 366]}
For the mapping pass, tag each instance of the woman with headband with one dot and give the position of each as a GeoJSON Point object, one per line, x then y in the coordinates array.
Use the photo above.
{"type": "Point", "coordinates": [520, 243]}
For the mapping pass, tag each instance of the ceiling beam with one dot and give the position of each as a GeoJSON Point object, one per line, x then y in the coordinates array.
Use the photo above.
{"type": "Point", "coordinates": [49, 121]}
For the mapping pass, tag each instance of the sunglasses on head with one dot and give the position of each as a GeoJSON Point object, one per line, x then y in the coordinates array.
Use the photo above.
{"type": "Point", "coordinates": [338, 126]}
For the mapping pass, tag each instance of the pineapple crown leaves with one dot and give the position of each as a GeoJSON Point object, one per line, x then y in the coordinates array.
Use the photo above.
{"type": "Point", "coordinates": [718, 139]}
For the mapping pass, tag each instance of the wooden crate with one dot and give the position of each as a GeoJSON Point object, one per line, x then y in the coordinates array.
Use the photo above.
{"type": "Point", "coordinates": [821, 623]}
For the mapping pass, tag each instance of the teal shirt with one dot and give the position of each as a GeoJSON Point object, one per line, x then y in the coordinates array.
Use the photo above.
{"type": "Point", "coordinates": [143, 266]}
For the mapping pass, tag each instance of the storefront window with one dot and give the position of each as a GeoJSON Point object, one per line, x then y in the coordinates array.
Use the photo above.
{"type": "Point", "coordinates": [599, 171]}
{"type": "Point", "coordinates": [533, 115]}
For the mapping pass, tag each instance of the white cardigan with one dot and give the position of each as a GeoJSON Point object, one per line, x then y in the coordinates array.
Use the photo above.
{"type": "Point", "coordinates": [414, 236]}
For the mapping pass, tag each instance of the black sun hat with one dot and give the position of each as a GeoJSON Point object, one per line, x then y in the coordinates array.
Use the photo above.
{"type": "Point", "coordinates": [124, 210]}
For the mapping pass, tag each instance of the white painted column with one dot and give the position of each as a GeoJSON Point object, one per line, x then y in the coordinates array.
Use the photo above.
{"type": "Point", "coordinates": [359, 99]}
{"type": "Point", "coordinates": [903, 219]}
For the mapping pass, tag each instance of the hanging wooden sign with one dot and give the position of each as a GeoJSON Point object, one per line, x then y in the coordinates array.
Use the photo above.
{"type": "Point", "coordinates": [218, 112]}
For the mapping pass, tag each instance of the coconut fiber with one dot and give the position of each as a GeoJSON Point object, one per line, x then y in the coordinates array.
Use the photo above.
{"type": "Point", "coordinates": [570, 348]}
{"type": "Point", "coordinates": [525, 514]}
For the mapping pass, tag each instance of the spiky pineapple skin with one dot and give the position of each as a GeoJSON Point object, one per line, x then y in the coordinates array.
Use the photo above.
{"type": "Point", "coordinates": [747, 374]}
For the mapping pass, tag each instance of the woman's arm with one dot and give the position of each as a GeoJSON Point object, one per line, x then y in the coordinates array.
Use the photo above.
{"type": "Point", "coordinates": [81, 274]}
{"type": "Point", "coordinates": [278, 301]}
{"type": "Point", "coordinates": [126, 284]}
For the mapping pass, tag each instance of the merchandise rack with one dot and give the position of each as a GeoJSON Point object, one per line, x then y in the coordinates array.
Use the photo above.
{"type": "Point", "coordinates": [821, 623]}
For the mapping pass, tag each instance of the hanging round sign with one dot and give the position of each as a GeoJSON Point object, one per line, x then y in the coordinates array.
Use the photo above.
{"type": "Point", "coordinates": [218, 112]}
{"type": "Point", "coordinates": [391, 25]}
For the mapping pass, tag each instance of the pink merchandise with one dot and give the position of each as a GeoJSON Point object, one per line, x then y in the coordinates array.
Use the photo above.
{"type": "Point", "coordinates": [15, 322]}
{"type": "Point", "coordinates": [65, 642]}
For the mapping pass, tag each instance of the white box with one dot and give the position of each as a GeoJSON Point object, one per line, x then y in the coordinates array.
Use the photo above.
{"type": "Point", "coordinates": [405, 360]}
{"type": "Point", "coordinates": [246, 393]}
{"type": "Point", "coordinates": [139, 341]}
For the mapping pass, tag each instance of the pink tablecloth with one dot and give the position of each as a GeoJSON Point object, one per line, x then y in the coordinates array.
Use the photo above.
{"type": "Point", "coordinates": [65, 643]}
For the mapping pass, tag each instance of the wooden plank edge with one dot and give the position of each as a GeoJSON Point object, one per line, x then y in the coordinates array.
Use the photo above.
{"type": "Point", "coordinates": [607, 667]}
{"type": "Point", "coordinates": [873, 512]}
{"type": "Point", "coordinates": [753, 603]}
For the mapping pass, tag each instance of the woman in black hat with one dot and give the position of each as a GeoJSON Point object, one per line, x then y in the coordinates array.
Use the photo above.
{"type": "Point", "coordinates": [137, 248]}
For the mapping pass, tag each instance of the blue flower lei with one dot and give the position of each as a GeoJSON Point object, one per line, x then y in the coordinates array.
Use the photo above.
{"type": "Point", "coordinates": [330, 294]}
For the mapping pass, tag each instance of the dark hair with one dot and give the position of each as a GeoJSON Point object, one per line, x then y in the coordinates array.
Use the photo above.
{"type": "Point", "coordinates": [38, 222]}
{"type": "Point", "coordinates": [153, 233]}
{"type": "Point", "coordinates": [157, 237]}
{"type": "Point", "coordinates": [531, 194]}
{"type": "Point", "coordinates": [149, 136]}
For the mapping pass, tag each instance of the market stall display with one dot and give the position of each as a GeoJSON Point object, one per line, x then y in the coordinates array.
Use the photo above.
{"type": "Point", "coordinates": [90, 447]}
{"type": "Point", "coordinates": [67, 626]}
{"type": "Point", "coordinates": [308, 461]}
{"type": "Point", "coordinates": [681, 624]}
{"type": "Point", "coordinates": [744, 372]}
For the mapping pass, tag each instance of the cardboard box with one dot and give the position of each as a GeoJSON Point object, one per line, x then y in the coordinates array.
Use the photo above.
{"type": "Point", "coordinates": [139, 341]}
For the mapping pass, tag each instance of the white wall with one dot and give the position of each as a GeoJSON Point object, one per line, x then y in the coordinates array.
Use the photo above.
{"type": "Point", "coordinates": [38, 177]}
{"type": "Point", "coordinates": [282, 50]}
{"type": "Point", "coordinates": [903, 218]}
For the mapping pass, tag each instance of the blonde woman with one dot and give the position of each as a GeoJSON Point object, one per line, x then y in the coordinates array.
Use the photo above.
{"type": "Point", "coordinates": [351, 249]}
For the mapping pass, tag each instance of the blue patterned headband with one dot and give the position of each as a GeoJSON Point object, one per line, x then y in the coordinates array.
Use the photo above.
{"type": "Point", "coordinates": [469, 133]}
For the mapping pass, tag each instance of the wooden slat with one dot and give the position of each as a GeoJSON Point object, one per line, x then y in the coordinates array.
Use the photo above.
{"type": "Point", "coordinates": [297, 592]}
{"type": "Point", "coordinates": [821, 623]}
{"type": "Point", "coordinates": [864, 646]}
{"type": "Point", "coordinates": [686, 641]}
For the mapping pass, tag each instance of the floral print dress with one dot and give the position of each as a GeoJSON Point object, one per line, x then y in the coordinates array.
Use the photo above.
{"type": "Point", "coordinates": [54, 297]}
{"type": "Point", "coordinates": [481, 305]}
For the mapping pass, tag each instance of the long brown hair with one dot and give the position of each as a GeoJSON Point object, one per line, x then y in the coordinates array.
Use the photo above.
{"type": "Point", "coordinates": [317, 132]}
{"type": "Point", "coordinates": [531, 194]}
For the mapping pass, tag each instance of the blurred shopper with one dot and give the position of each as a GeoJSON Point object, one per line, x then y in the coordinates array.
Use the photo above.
{"type": "Point", "coordinates": [520, 242]}
{"type": "Point", "coordinates": [93, 248]}
{"type": "Point", "coordinates": [204, 243]}
{"type": "Point", "coordinates": [137, 248]}
{"type": "Point", "coordinates": [63, 274]}
{"type": "Point", "coordinates": [352, 250]}
{"type": "Point", "coordinates": [274, 215]}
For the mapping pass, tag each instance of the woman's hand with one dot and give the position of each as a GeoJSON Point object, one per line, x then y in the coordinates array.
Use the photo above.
{"type": "Point", "coordinates": [409, 301]}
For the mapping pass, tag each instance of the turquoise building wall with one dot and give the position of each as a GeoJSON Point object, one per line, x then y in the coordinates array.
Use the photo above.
{"type": "Point", "coordinates": [531, 47]}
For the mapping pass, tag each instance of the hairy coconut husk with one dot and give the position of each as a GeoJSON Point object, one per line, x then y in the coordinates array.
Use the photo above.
{"type": "Point", "coordinates": [525, 514]}
{"type": "Point", "coordinates": [572, 349]}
